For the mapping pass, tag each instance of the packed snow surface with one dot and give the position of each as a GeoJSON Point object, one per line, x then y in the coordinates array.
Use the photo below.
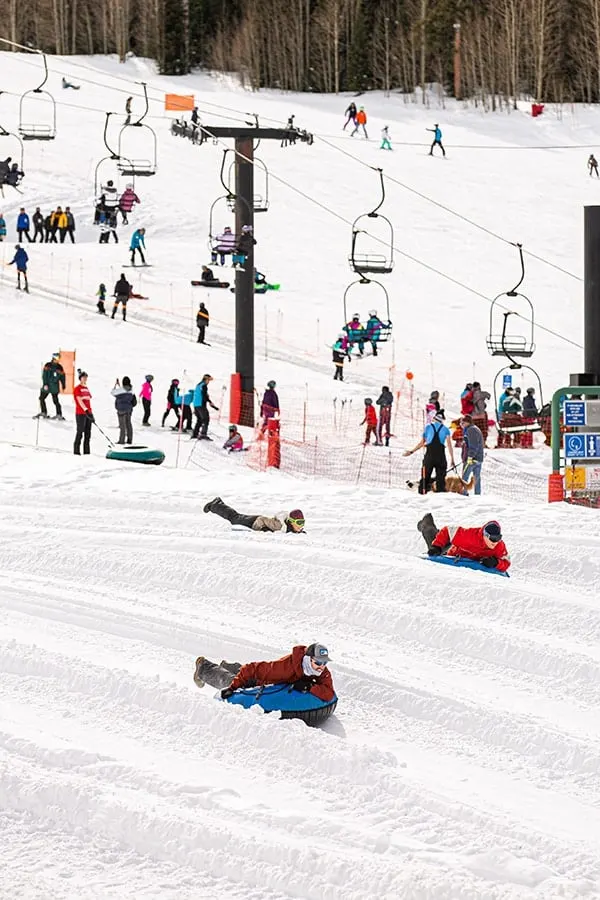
{"type": "Point", "coordinates": [463, 762]}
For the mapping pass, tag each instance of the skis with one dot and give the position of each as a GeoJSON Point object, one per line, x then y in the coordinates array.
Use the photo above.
{"type": "Point", "coordinates": [211, 284]}
{"type": "Point", "coordinates": [49, 418]}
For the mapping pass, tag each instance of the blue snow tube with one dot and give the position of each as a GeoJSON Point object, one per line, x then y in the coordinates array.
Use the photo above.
{"type": "Point", "coordinates": [284, 699]}
{"type": "Point", "coordinates": [459, 562]}
{"type": "Point", "coordinates": [137, 454]}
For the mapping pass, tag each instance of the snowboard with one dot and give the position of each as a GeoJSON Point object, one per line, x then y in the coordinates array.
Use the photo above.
{"type": "Point", "coordinates": [262, 288]}
{"type": "Point", "coordinates": [137, 266]}
{"type": "Point", "coordinates": [211, 284]}
{"type": "Point", "coordinates": [459, 563]}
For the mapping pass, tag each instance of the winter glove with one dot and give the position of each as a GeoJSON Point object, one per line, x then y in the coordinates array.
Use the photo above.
{"type": "Point", "coordinates": [226, 693]}
{"type": "Point", "coordinates": [303, 687]}
{"type": "Point", "coordinates": [434, 551]}
{"type": "Point", "coordinates": [91, 417]}
{"type": "Point", "coordinates": [490, 562]}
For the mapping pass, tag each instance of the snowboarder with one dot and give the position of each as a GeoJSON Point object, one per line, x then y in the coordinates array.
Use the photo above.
{"type": "Point", "coordinates": [484, 545]}
{"type": "Point", "coordinates": [146, 395]}
{"type": "Point", "coordinates": [234, 442]}
{"type": "Point", "coordinates": [270, 404]}
{"type": "Point", "coordinates": [173, 401]}
{"type": "Point", "coordinates": [201, 403]}
{"type": "Point", "coordinates": [202, 322]}
{"type": "Point", "coordinates": [224, 246]}
{"type": "Point", "coordinates": [351, 115]}
{"type": "Point", "coordinates": [292, 523]}
{"type": "Point", "coordinates": [370, 420]}
{"type": "Point", "coordinates": [20, 260]}
{"type": "Point", "coordinates": [127, 200]}
{"type": "Point", "coordinates": [360, 122]}
{"type": "Point", "coordinates": [305, 668]}
{"type": "Point", "coordinates": [593, 166]}
{"type": "Point", "coordinates": [207, 276]}
{"type": "Point", "coordinates": [125, 402]}
{"type": "Point", "coordinates": [53, 379]}
{"type": "Point", "coordinates": [137, 242]}
{"type": "Point", "coordinates": [437, 139]}
{"type": "Point", "coordinates": [38, 225]}
{"type": "Point", "coordinates": [435, 436]}
{"type": "Point", "coordinates": [23, 225]}
{"type": "Point", "coordinates": [128, 103]}
{"type": "Point", "coordinates": [386, 143]}
{"type": "Point", "coordinates": [384, 402]}
{"type": "Point", "coordinates": [84, 416]}
{"type": "Point", "coordinates": [244, 246]}
{"type": "Point", "coordinates": [101, 294]}
{"type": "Point", "coordinates": [121, 294]}
{"type": "Point", "coordinates": [471, 451]}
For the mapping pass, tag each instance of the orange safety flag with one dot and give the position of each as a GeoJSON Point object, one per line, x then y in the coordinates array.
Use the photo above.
{"type": "Point", "coordinates": [179, 102]}
{"type": "Point", "coordinates": [67, 361]}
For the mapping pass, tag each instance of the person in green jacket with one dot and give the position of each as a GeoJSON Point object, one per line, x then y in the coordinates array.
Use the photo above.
{"type": "Point", "coordinates": [53, 379]}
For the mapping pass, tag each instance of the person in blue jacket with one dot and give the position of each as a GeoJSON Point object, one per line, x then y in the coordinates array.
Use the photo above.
{"type": "Point", "coordinates": [437, 139]}
{"type": "Point", "coordinates": [201, 403]}
{"type": "Point", "coordinates": [23, 225]}
{"type": "Point", "coordinates": [185, 421]}
{"type": "Point", "coordinates": [137, 242]}
{"type": "Point", "coordinates": [436, 438]}
{"type": "Point", "coordinates": [20, 260]}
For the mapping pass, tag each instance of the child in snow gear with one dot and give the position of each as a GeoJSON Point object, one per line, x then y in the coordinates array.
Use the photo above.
{"type": "Point", "coordinates": [471, 451]}
{"type": "Point", "coordinates": [146, 395]}
{"type": "Point", "coordinates": [370, 420]}
{"type": "Point", "coordinates": [137, 243]}
{"type": "Point", "coordinates": [126, 202]}
{"type": "Point", "coordinates": [235, 442]}
{"type": "Point", "coordinates": [243, 247]}
{"type": "Point", "coordinates": [20, 260]}
{"type": "Point", "coordinates": [435, 437]}
{"type": "Point", "coordinates": [340, 350]}
{"type": "Point", "coordinates": [386, 144]}
{"type": "Point", "coordinates": [121, 294]}
{"type": "Point", "coordinates": [593, 166]}
{"type": "Point", "coordinates": [384, 402]}
{"type": "Point", "coordinates": [101, 294]}
{"type": "Point", "coordinates": [270, 404]}
{"type": "Point", "coordinates": [84, 416]}
{"type": "Point", "coordinates": [201, 403]}
{"type": "Point", "coordinates": [437, 139]}
{"type": "Point", "coordinates": [305, 668]}
{"type": "Point", "coordinates": [125, 402]}
{"type": "Point", "coordinates": [360, 122]}
{"type": "Point", "coordinates": [292, 523]}
{"type": "Point", "coordinates": [351, 114]}
{"type": "Point", "coordinates": [225, 245]}
{"type": "Point", "coordinates": [356, 333]}
{"type": "Point", "coordinates": [484, 545]}
{"type": "Point", "coordinates": [53, 379]}
{"type": "Point", "coordinates": [23, 225]}
{"type": "Point", "coordinates": [202, 322]}
{"type": "Point", "coordinates": [172, 395]}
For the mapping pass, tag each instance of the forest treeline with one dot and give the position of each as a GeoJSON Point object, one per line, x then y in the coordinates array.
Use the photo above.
{"type": "Point", "coordinates": [545, 49]}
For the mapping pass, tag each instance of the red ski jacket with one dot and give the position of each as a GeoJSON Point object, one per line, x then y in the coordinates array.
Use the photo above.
{"type": "Point", "coordinates": [470, 544]}
{"type": "Point", "coordinates": [370, 416]}
{"type": "Point", "coordinates": [288, 669]}
{"type": "Point", "coordinates": [83, 400]}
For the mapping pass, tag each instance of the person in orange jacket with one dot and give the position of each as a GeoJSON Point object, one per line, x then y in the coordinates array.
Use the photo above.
{"type": "Point", "coordinates": [370, 420]}
{"type": "Point", "coordinates": [483, 545]}
{"type": "Point", "coordinates": [360, 121]}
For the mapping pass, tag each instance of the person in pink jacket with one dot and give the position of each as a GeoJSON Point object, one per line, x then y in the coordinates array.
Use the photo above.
{"type": "Point", "coordinates": [126, 202]}
{"type": "Point", "coordinates": [146, 395]}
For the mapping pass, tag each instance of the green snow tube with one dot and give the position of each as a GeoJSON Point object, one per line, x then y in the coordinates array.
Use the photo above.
{"type": "Point", "coordinates": [136, 454]}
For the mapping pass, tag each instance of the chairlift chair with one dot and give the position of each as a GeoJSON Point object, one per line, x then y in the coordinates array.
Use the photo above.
{"type": "Point", "coordinates": [512, 346]}
{"type": "Point", "coordinates": [114, 158]}
{"type": "Point", "coordinates": [135, 167]}
{"type": "Point", "coordinates": [383, 334]}
{"type": "Point", "coordinates": [37, 131]}
{"type": "Point", "coordinates": [21, 151]}
{"type": "Point", "coordinates": [261, 200]}
{"type": "Point", "coordinates": [535, 378]}
{"type": "Point", "coordinates": [362, 259]}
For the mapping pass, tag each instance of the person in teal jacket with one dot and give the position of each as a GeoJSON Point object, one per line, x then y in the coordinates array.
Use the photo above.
{"type": "Point", "coordinates": [137, 243]}
{"type": "Point", "coordinates": [2, 227]}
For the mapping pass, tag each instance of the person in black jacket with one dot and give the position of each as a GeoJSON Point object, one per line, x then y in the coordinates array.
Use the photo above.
{"type": "Point", "coordinates": [70, 223]}
{"type": "Point", "coordinates": [121, 293]}
{"type": "Point", "coordinates": [38, 224]}
{"type": "Point", "coordinates": [244, 246]}
{"type": "Point", "coordinates": [172, 394]}
{"type": "Point", "coordinates": [351, 113]}
{"type": "Point", "coordinates": [202, 321]}
{"type": "Point", "coordinates": [384, 402]}
{"type": "Point", "coordinates": [125, 402]}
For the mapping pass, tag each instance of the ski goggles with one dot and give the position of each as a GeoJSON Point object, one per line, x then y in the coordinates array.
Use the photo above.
{"type": "Point", "coordinates": [317, 663]}
{"type": "Point", "coordinates": [298, 522]}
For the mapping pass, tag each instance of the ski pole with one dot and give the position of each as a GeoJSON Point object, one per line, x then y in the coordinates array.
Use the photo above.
{"type": "Point", "coordinates": [112, 444]}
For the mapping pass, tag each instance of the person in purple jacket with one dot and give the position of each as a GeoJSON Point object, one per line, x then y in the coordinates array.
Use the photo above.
{"type": "Point", "coordinates": [269, 407]}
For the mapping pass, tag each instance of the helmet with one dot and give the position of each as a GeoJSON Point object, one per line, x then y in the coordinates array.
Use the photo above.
{"type": "Point", "coordinates": [175, 381]}
{"type": "Point", "coordinates": [368, 401]}
{"type": "Point", "coordinates": [372, 312]}
{"type": "Point", "coordinates": [233, 427]}
{"type": "Point", "coordinates": [109, 184]}
{"type": "Point", "coordinates": [246, 229]}
{"type": "Point", "coordinates": [342, 334]}
{"type": "Point", "coordinates": [149, 377]}
{"type": "Point", "coordinates": [17, 246]}
{"type": "Point", "coordinates": [271, 384]}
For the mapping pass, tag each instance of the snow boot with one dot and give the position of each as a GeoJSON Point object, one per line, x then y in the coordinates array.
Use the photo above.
{"type": "Point", "coordinates": [207, 672]}
{"type": "Point", "coordinates": [428, 529]}
{"type": "Point", "coordinates": [234, 668]}
{"type": "Point", "coordinates": [209, 505]}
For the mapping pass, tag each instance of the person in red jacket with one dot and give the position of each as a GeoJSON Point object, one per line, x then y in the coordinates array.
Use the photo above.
{"type": "Point", "coordinates": [83, 414]}
{"type": "Point", "coordinates": [484, 545]}
{"type": "Point", "coordinates": [305, 668]}
{"type": "Point", "coordinates": [370, 420]}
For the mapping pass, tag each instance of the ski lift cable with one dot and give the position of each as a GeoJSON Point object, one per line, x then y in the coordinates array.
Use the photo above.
{"type": "Point", "coordinates": [398, 250]}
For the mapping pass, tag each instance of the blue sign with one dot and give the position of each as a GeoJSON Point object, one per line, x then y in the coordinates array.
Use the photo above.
{"type": "Point", "coordinates": [582, 446]}
{"type": "Point", "coordinates": [506, 381]}
{"type": "Point", "coordinates": [574, 412]}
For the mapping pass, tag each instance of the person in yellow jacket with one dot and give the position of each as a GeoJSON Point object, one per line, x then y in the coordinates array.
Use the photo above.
{"type": "Point", "coordinates": [54, 219]}
{"type": "Point", "coordinates": [62, 222]}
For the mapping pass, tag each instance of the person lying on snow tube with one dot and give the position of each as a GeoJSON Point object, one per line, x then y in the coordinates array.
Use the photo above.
{"type": "Point", "coordinates": [305, 668]}
{"type": "Point", "coordinates": [484, 545]}
{"type": "Point", "coordinates": [293, 522]}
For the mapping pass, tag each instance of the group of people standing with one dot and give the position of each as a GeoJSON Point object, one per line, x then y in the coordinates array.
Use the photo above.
{"type": "Point", "coordinates": [50, 228]}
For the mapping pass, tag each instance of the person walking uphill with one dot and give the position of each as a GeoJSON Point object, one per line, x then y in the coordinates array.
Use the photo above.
{"type": "Point", "coordinates": [437, 139]}
{"type": "Point", "coordinates": [53, 379]}
{"type": "Point", "coordinates": [370, 420]}
{"type": "Point", "coordinates": [435, 438]}
{"type": "Point", "coordinates": [84, 416]}
{"type": "Point", "coordinates": [137, 243]}
{"type": "Point", "coordinates": [125, 402]}
{"type": "Point", "coordinates": [305, 668]}
{"type": "Point", "coordinates": [121, 292]}
{"type": "Point", "coordinates": [20, 260]}
{"type": "Point", "coordinates": [146, 395]}
{"type": "Point", "coordinates": [201, 403]}
{"type": "Point", "coordinates": [292, 523]}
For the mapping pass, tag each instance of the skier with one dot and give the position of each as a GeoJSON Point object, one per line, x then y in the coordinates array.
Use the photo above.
{"type": "Point", "coordinates": [484, 545]}
{"type": "Point", "coordinates": [360, 122]}
{"type": "Point", "coordinates": [126, 202]}
{"type": "Point", "coordinates": [244, 246]}
{"type": "Point", "coordinates": [125, 402]}
{"type": "Point", "coordinates": [292, 523]}
{"type": "Point", "coordinates": [437, 139]}
{"type": "Point", "coordinates": [137, 242]}
{"type": "Point", "coordinates": [224, 246]}
{"type": "Point", "coordinates": [305, 668]}
{"type": "Point", "coordinates": [84, 416]}
{"type": "Point", "coordinates": [386, 144]}
{"type": "Point", "coordinates": [471, 451]}
{"type": "Point", "coordinates": [23, 225]}
{"type": "Point", "coordinates": [53, 378]}
{"type": "Point", "coordinates": [235, 442]}
{"type": "Point", "coordinates": [351, 114]}
{"type": "Point", "coordinates": [128, 103]}
{"type": "Point", "coordinates": [435, 436]}
{"type": "Point", "coordinates": [374, 326]}
{"type": "Point", "coordinates": [173, 401]}
{"type": "Point", "coordinates": [370, 420]}
{"type": "Point", "coordinates": [340, 350]}
{"type": "Point", "coordinates": [202, 322]}
{"type": "Point", "coordinates": [38, 224]}
{"type": "Point", "coordinates": [146, 395]}
{"type": "Point", "coordinates": [20, 260]}
{"type": "Point", "coordinates": [15, 176]}
{"type": "Point", "coordinates": [384, 402]}
{"type": "Point", "coordinates": [101, 294]}
{"type": "Point", "coordinates": [121, 294]}
{"type": "Point", "coordinates": [270, 404]}
{"type": "Point", "coordinates": [593, 166]}
{"type": "Point", "coordinates": [432, 406]}
{"type": "Point", "coordinates": [194, 117]}
{"type": "Point", "coordinates": [201, 403]}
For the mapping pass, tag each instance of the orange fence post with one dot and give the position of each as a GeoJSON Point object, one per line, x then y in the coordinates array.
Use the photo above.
{"type": "Point", "coordinates": [274, 444]}
{"type": "Point", "coordinates": [556, 492]}
{"type": "Point", "coordinates": [235, 398]}
{"type": "Point", "coordinates": [67, 361]}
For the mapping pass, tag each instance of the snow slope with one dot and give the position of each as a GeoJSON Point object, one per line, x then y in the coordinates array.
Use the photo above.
{"type": "Point", "coordinates": [463, 762]}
